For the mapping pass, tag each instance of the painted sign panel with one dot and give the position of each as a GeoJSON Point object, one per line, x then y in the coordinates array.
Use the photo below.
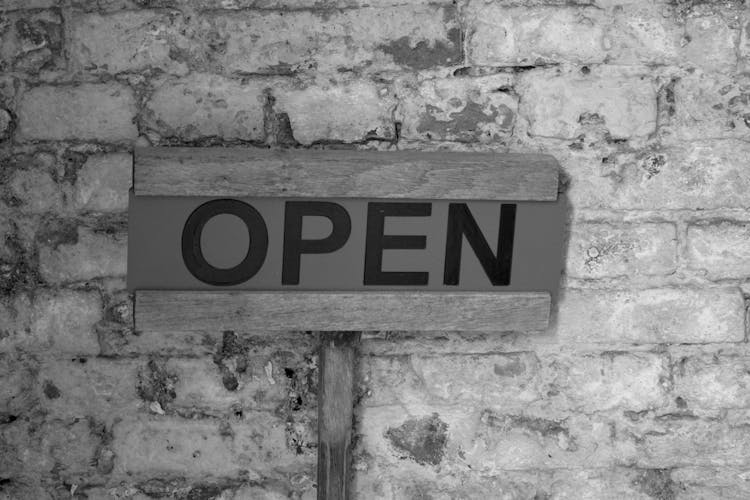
{"type": "Point", "coordinates": [344, 244]}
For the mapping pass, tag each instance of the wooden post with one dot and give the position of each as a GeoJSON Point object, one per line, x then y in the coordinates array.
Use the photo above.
{"type": "Point", "coordinates": [335, 413]}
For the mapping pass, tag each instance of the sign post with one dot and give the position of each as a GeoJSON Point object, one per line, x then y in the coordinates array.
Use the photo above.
{"type": "Point", "coordinates": [341, 242]}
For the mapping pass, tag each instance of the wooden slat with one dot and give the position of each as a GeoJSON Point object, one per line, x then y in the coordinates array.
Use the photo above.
{"type": "Point", "coordinates": [335, 413]}
{"type": "Point", "coordinates": [256, 172]}
{"type": "Point", "coordinates": [277, 311]}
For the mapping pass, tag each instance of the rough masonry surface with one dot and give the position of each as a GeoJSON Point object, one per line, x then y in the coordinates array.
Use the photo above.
{"type": "Point", "coordinates": [638, 390]}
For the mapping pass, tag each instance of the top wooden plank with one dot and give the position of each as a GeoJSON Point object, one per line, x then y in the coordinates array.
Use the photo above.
{"type": "Point", "coordinates": [256, 172]}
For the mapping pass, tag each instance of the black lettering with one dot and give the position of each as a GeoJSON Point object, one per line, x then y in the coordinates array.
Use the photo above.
{"type": "Point", "coordinates": [461, 223]}
{"type": "Point", "coordinates": [192, 254]}
{"type": "Point", "coordinates": [376, 242]}
{"type": "Point", "coordinates": [295, 246]}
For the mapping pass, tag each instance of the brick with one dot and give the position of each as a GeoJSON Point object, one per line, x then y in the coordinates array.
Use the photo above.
{"type": "Point", "coordinates": [713, 380]}
{"type": "Point", "coordinates": [719, 250]}
{"type": "Point", "coordinates": [62, 320]}
{"type": "Point", "coordinates": [102, 112]}
{"type": "Point", "coordinates": [476, 438]}
{"type": "Point", "coordinates": [31, 41]}
{"type": "Point", "coordinates": [683, 440]}
{"type": "Point", "coordinates": [556, 104]}
{"type": "Point", "coordinates": [254, 447]}
{"type": "Point", "coordinates": [712, 43]}
{"type": "Point", "coordinates": [693, 175]}
{"type": "Point", "coordinates": [103, 183]}
{"type": "Point", "coordinates": [469, 380]}
{"type": "Point", "coordinates": [644, 33]}
{"type": "Point", "coordinates": [479, 109]}
{"type": "Point", "coordinates": [36, 191]}
{"type": "Point", "coordinates": [525, 37]}
{"type": "Point", "coordinates": [605, 381]}
{"type": "Point", "coordinates": [709, 105]}
{"type": "Point", "coordinates": [262, 385]}
{"type": "Point", "coordinates": [104, 389]}
{"type": "Point", "coordinates": [349, 112]}
{"type": "Point", "coordinates": [65, 320]}
{"type": "Point", "coordinates": [712, 482]}
{"type": "Point", "coordinates": [15, 393]}
{"type": "Point", "coordinates": [408, 36]}
{"type": "Point", "coordinates": [128, 41]}
{"type": "Point", "coordinates": [601, 250]}
{"type": "Point", "coordinates": [202, 106]}
{"type": "Point", "coordinates": [92, 255]}
{"type": "Point", "coordinates": [668, 315]}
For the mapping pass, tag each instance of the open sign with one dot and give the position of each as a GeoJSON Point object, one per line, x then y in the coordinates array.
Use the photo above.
{"type": "Point", "coordinates": [343, 244]}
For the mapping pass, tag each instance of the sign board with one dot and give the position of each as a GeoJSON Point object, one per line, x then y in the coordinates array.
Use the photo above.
{"type": "Point", "coordinates": [341, 227]}
{"type": "Point", "coordinates": [207, 243]}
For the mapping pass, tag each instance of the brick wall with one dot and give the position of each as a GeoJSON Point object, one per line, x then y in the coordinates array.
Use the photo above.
{"type": "Point", "coordinates": [641, 389]}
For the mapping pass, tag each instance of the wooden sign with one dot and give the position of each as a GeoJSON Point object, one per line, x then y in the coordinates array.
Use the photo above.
{"type": "Point", "coordinates": [320, 226]}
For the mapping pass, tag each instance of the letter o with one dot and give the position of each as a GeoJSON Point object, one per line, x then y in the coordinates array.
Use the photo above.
{"type": "Point", "coordinates": [192, 253]}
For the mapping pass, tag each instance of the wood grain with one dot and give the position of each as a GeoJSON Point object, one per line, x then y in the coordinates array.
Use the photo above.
{"type": "Point", "coordinates": [165, 311]}
{"type": "Point", "coordinates": [256, 172]}
{"type": "Point", "coordinates": [335, 413]}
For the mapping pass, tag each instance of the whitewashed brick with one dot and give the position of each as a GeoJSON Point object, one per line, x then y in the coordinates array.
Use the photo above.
{"type": "Point", "coordinates": [102, 112]}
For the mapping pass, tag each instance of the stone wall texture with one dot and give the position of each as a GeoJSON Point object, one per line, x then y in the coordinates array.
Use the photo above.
{"type": "Point", "coordinates": [640, 389]}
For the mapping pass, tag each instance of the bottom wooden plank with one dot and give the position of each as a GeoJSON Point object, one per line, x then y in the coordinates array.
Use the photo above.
{"type": "Point", "coordinates": [225, 310]}
{"type": "Point", "coordinates": [335, 413]}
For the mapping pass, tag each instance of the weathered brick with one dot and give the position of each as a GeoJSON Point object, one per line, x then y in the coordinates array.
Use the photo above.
{"type": "Point", "coordinates": [556, 104]}
{"type": "Point", "coordinates": [202, 106]}
{"type": "Point", "coordinates": [458, 109]}
{"type": "Point", "coordinates": [713, 380]}
{"type": "Point", "coordinates": [254, 446]}
{"type": "Point", "coordinates": [62, 320]}
{"type": "Point", "coordinates": [683, 439]}
{"type": "Point", "coordinates": [711, 43]}
{"type": "Point", "coordinates": [719, 249]}
{"type": "Point", "coordinates": [103, 183]}
{"type": "Point", "coordinates": [666, 315]}
{"type": "Point", "coordinates": [348, 112]}
{"type": "Point", "coordinates": [102, 112]}
{"type": "Point", "coordinates": [604, 381]}
{"type": "Point", "coordinates": [65, 320]}
{"type": "Point", "coordinates": [506, 36]}
{"type": "Point", "coordinates": [643, 33]}
{"type": "Point", "coordinates": [712, 482]}
{"type": "Point", "coordinates": [694, 175]}
{"type": "Point", "coordinates": [628, 33]}
{"type": "Point", "coordinates": [35, 191]}
{"type": "Point", "coordinates": [103, 389]}
{"type": "Point", "coordinates": [30, 40]}
{"type": "Point", "coordinates": [471, 380]}
{"type": "Point", "coordinates": [129, 41]}
{"type": "Point", "coordinates": [408, 36]}
{"type": "Point", "coordinates": [601, 250]}
{"type": "Point", "coordinates": [708, 105]}
{"type": "Point", "coordinates": [261, 385]}
{"type": "Point", "coordinates": [92, 255]}
{"type": "Point", "coordinates": [15, 393]}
